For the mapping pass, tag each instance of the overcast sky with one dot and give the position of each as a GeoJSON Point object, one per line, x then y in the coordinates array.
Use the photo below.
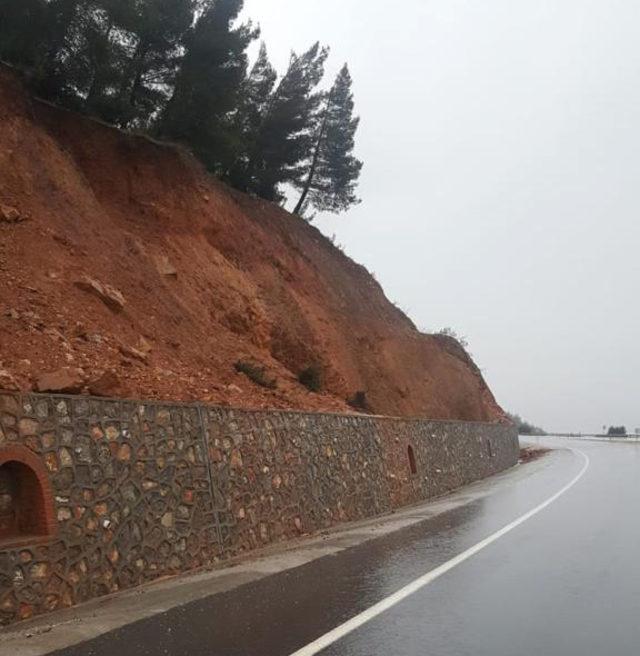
{"type": "Point", "coordinates": [501, 189]}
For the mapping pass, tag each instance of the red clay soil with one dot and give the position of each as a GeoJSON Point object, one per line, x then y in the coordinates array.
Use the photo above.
{"type": "Point", "coordinates": [121, 255]}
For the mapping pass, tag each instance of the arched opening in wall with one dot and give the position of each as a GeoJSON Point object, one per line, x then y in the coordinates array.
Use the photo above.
{"type": "Point", "coordinates": [412, 460]}
{"type": "Point", "coordinates": [24, 511]}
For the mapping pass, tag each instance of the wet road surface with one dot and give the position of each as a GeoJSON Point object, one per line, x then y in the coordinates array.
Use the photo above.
{"type": "Point", "coordinates": [564, 582]}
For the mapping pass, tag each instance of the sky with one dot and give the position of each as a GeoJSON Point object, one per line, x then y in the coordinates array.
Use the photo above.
{"type": "Point", "coordinates": [501, 187]}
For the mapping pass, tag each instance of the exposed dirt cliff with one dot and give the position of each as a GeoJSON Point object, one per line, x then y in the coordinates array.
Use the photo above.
{"type": "Point", "coordinates": [121, 255]}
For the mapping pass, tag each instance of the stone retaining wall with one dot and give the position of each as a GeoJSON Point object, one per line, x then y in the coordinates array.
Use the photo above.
{"type": "Point", "coordinates": [139, 490]}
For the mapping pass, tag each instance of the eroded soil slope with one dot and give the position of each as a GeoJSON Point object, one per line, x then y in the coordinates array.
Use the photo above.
{"type": "Point", "coordinates": [120, 255]}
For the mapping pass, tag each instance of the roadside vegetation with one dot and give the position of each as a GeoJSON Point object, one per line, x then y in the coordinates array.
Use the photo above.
{"type": "Point", "coordinates": [360, 402]}
{"type": "Point", "coordinates": [256, 373]}
{"type": "Point", "coordinates": [311, 378]}
{"type": "Point", "coordinates": [178, 70]}
{"type": "Point", "coordinates": [450, 332]}
{"type": "Point", "coordinates": [524, 427]}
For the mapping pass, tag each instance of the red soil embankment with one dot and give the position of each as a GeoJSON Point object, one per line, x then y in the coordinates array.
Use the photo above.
{"type": "Point", "coordinates": [207, 276]}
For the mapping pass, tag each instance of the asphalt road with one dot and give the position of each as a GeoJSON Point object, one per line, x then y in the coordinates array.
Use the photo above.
{"type": "Point", "coordinates": [564, 581]}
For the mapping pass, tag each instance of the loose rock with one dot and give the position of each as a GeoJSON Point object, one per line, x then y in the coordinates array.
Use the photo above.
{"type": "Point", "coordinates": [10, 214]}
{"type": "Point", "coordinates": [134, 353]}
{"type": "Point", "coordinates": [164, 267]}
{"type": "Point", "coordinates": [65, 380]}
{"type": "Point", "coordinates": [7, 381]}
{"type": "Point", "coordinates": [144, 346]}
{"type": "Point", "coordinates": [110, 296]}
{"type": "Point", "coordinates": [108, 385]}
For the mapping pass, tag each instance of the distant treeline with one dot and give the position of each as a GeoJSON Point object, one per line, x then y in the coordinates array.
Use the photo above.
{"type": "Point", "coordinates": [524, 427]}
{"type": "Point", "coordinates": [178, 69]}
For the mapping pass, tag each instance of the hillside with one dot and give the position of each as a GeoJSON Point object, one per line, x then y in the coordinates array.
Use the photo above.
{"type": "Point", "coordinates": [121, 255]}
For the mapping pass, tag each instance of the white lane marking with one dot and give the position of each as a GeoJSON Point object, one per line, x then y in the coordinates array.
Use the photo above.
{"type": "Point", "coordinates": [351, 625]}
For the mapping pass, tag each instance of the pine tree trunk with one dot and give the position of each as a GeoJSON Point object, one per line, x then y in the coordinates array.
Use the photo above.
{"type": "Point", "coordinates": [314, 162]}
{"type": "Point", "coordinates": [310, 176]}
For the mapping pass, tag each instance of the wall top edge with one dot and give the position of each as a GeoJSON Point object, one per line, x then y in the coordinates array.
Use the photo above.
{"type": "Point", "coordinates": [272, 411]}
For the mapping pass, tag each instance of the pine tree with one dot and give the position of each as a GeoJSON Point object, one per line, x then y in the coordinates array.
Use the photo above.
{"type": "Point", "coordinates": [100, 58]}
{"type": "Point", "coordinates": [150, 64]}
{"type": "Point", "coordinates": [47, 47]}
{"type": "Point", "coordinates": [333, 171]}
{"type": "Point", "coordinates": [255, 94]}
{"type": "Point", "coordinates": [156, 29]}
{"type": "Point", "coordinates": [75, 38]}
{"type": "Point", "coordinates": [22, 24]}
{"type": "Point", "coordinates": [285, 135]}
{"type": "Point", "coordinates": [208, 84]}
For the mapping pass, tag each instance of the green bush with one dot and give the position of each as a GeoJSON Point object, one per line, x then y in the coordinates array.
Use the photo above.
{"type": "Point", "coordinates": [359, 402]}
{"type": "Point", "coordinates": [255, 373]}
{"type": "Point", "coordinates": [311, 378]}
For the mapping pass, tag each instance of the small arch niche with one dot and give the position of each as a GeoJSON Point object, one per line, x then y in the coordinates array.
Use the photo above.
{"type": "Point", "coordinates": [23, 511]}
{"type": "Point", "coordinates": [412, 460]}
